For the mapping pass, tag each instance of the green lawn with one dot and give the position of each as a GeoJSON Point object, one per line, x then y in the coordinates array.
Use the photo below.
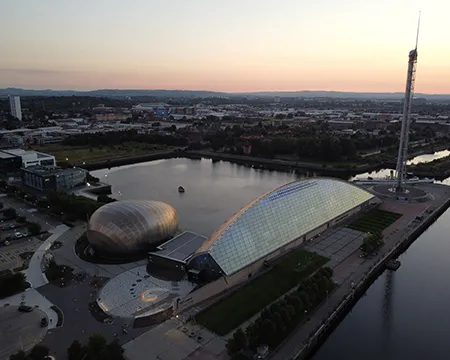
{"type": "Point", "coordinates": [375, 221]}
{"type": "Point", "coordinates": [80, 154]}
{"type": "Point", "coordinates": [240, 306]}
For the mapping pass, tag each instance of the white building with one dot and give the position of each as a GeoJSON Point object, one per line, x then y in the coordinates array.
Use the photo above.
{"type": "Point", "coordinates": [31, 158]}
{"type": "Point", "coordinates": [16, 109]}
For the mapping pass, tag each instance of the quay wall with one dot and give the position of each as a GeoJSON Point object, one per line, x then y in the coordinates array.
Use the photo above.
{"type": "Point", "coordinates": [304, 351]}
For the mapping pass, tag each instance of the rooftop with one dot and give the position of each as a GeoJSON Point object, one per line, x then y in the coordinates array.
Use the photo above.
{"type": "Point", "coordinates": [4, 155]}
{"type": "Point", "coordinates": [22, 152]}
{"type": "Point", "coordinates": [181, 247]}
{"type": "Point", "coordinates": [52, 170]}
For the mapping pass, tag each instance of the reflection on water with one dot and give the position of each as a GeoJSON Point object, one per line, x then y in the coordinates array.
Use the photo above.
{"type": "Point", "coordinates": [214, 190]}
{"type": "Point", "coordinates": [382, 173]}
{"type": "Point", "coordinates": [428, 157]}
{"type": "Point", "coordinates": [404, 314]}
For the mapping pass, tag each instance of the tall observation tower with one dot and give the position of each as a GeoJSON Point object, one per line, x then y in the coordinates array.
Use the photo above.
{"type": "Point", "coordinates": [406, 120]}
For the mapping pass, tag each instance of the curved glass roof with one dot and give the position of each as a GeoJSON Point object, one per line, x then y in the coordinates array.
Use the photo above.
{"type": "Point", "coordinates": [279, 217]}
{"type": "Point", "coordinates": [130, 225]}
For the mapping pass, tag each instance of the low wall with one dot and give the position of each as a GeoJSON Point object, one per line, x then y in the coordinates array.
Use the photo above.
{"type": "Point", "coordinates": [321, 334]}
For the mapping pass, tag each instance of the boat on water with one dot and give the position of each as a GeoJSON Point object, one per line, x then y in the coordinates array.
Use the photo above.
{"type": "Point", "coordinates": [393, 265]}
{"type": "Point", "coordinates": [181, 189]}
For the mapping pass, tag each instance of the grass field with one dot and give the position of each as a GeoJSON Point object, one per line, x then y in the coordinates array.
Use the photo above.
{"type": "Point", "coordinates": [240, 306]}
{"type": "Point", "coordinates": [375, 221]}
{"type": "Point", "coordinates": [79, 155]}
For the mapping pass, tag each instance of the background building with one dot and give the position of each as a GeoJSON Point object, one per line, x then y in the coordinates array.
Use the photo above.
{"type": "Point", "coordinates": [129, 227]}
{"type": "Point", "coordinates": [15, 107]}
{"type": "Point", "coordinates": [9, 163]}
{"type": "Point", "coordinates": [32, 158]}
{"type": "Point", "coordinates": [51, 178]}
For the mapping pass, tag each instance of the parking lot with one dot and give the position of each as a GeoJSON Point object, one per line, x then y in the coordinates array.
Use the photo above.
{"type": "Point", "coordinates": [22, 208]}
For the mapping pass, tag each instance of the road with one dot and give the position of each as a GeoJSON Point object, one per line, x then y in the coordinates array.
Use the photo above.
{"type": "Point", "coordinates": [19, 330]}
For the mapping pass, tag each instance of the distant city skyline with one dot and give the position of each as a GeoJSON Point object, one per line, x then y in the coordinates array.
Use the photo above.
{"type": "Point", "coordinates": [233, 46]}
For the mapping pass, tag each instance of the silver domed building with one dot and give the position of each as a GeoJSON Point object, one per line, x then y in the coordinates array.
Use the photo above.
{"type": "Point", "coordinates": [127, 227]}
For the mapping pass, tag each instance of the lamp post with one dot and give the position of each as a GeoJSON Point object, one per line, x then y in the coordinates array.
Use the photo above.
{"type": "Point", "coordinates": [106, 178]}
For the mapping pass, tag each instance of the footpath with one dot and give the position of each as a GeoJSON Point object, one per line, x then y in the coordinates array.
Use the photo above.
{"type": "Point", "coordinates": [301, 341]}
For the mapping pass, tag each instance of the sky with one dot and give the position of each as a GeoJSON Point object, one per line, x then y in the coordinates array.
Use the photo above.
{"type": "Point", "coordinates": [217, 45]}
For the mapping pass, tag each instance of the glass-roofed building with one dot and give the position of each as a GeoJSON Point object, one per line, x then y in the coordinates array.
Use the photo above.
{"type": "Point", "coordinates": [274, 223]}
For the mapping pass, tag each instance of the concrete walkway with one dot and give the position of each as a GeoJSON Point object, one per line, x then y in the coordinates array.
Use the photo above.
{"type": "Point", "coordinates": [33, 298]}
{"type": "Point", "coordinates": [34, 273]}
{"type": "Point", "coordinates": [37, 278]}
{"type": "Point", "coordinates": [393, 236]}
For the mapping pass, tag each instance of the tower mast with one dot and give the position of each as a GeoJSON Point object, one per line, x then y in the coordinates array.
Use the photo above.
{"type": "Point", "coordinates": [406, 119]}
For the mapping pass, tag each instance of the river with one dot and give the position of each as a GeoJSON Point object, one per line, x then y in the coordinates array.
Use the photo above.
{"type": "Point", "coordinates": [404, 315]}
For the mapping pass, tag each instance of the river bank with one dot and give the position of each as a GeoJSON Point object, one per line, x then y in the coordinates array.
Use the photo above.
{"type": "Point", "coordinates": [262, 163]}
{"type": "Point", "coordinates": [302, 344]}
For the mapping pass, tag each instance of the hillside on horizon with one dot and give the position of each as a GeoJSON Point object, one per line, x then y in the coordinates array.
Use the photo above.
{"type": "Point", "coordinates": [123, 93]}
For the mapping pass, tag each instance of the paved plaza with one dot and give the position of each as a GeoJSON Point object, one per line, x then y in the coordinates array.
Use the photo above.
{"type": "Point", "coordinates": [19, 331]}
{"type": "Point", "coordinates": [79, 323]}
{"type": "Point", "coordinates": [337, 244]}
{"type": "Point", "coordinates": [173, 340]}
{"type": "Point", "coordinates": [134, 293]}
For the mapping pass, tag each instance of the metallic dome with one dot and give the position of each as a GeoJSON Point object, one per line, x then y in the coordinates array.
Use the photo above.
{"type": "Point", "coordinates": [127, 227]}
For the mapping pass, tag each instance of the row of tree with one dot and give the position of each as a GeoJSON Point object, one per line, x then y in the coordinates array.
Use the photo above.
{"type": "Point", "coordinates": [71, 206]}
{"type": "Point", "coordinates": [371, 243]}
{"type": "Point", "coordinates": [277, 321]}
{"type": "Point", "coordinates": [120, 137]}
{"type": "Point", "coordinates": [97, 348]}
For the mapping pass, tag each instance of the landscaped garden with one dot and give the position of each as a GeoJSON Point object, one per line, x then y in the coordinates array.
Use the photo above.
{"type": "Point", "coordinates": [375, 221]}
{"type": "Point", "coordinates": [240, 306]}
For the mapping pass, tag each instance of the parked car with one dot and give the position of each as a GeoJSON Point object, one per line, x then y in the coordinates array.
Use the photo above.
{"type": "Point", "coordinates": [18, 235]}
{"type": "Point", "coordinates": [7, 243]}
{"type": "Point", "coordinates": [25, 308]}
{"type": "Point", "coordinates": [12, 226]}
{"type": "Point", "coordinates": [44, 322]}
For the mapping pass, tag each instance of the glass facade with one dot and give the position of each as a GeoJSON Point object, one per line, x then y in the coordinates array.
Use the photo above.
{"type": "Point", "coordinates": [127, 227]}
{"type": "Point", "coordinates": [278, 218]}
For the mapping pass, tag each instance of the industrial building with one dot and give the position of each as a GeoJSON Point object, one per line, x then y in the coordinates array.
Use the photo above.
{"type": "Point", "coordinates": [11, 160]}
{"type": "Point", "coordinates": [32, 158]}
{"type": "Point", "coordinates": [9, 163]}
{"type": "Point", "coordinates": [47, 179]}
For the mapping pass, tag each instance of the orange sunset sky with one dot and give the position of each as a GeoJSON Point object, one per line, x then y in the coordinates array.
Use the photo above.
{"type": "Point", "coordinates": [235, 46]}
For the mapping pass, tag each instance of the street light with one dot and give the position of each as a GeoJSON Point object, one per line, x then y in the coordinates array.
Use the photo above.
{"type": "Point", "coordinates": [120, 195]}
{"type": "Point", "coordinates": [106, 178]}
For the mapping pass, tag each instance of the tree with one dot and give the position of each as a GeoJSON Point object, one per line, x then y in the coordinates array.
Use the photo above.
{"type": "Point", "coordinates": [76, 351]}
{"type": "Point", "coordinates": [240, 338]}
{"type": "Point", "coordinates": [10, 213]}
{"type": "Point", "coordinates": [39, 352]}
{"type": "Point", "coordinates": [12, 284]}
{"type": "Point", "coordinates": [267, 331]}
{"type": "Point", "coordinates": [34, 228]}
{"type": "Point", "coordinates": [114, 351]}
{"type": "Point", "coordinates": [18, 356]}
{"type": "Point", "coordinates": [96, 345]}
{"type": "Point", "coordinates": [21, 219]}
